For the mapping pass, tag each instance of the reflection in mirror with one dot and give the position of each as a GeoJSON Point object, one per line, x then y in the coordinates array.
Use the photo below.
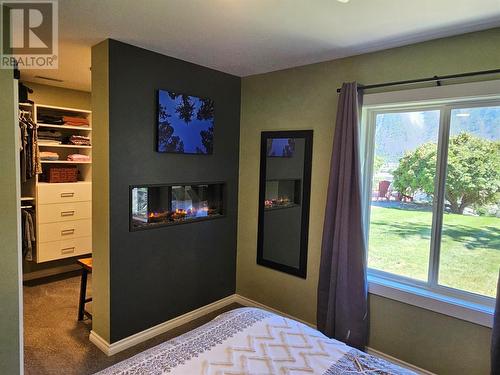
{"type": "Point", "coordinates": [284, 200]}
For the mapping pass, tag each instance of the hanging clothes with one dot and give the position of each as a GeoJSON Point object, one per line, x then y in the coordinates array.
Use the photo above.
{"type": "Point", "coordinates": [23, 149]}
{"type": "Point", "coordinates": [28, 232]}
{"type": "Point", "coordinates": [36, 151]}
{"type": "Point", "coordinates": [29, 152]}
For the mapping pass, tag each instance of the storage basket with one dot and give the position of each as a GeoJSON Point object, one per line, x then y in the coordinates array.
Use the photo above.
{"type": "Point", "coordinates": [62, 174]}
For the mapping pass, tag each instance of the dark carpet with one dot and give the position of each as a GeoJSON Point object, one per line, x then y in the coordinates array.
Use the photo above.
{"type": "Point", "coordinates": [56, 343]}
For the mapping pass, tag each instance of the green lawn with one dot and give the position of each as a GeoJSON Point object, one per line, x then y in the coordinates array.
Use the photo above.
{"type": "Point", "coordinates": [470, 249]}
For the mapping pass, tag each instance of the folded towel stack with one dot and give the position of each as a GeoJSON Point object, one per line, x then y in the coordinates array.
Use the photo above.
{"type": "Point", "coordinates": [75, 121]}
{"type": "Point", "coordinates": [78, 157]}
{"type": "Point", "coordinates": [50, 119]}
{"type": "Point", "coordinates": [49, 137]}
{"type": "Point", "coordinates": [80, 140]}
{"type": "Point", "coordinates": [48, 142]}
{"type": "Point", "coordinates": [48, 155]}
{"type": "Point", "coordinates": [62, 120]}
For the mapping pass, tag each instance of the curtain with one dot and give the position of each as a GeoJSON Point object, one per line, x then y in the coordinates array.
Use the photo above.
{"type": "Point", "coordinates": [495, 335]}
{"type": "Point", "coordinates": [342, 311]}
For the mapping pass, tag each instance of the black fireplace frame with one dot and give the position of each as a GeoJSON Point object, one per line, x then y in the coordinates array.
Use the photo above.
{"type": "Point", "coordinates": [190, 221]}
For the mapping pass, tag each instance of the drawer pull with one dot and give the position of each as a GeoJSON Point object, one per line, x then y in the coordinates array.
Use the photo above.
{"type": "Point", "coordinates": [67, 195]}
{"type": "Point", "coordinates": [65, 232]}
{"type": "Point", "coordinates": [68, 250]}
{"type": "Point", "coordinates": [67, 213]}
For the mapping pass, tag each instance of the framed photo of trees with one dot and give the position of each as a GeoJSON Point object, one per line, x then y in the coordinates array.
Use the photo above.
{"type": "Point", "coordinates": [185, 123]}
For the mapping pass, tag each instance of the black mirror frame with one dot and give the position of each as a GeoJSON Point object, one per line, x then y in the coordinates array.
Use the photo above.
{"type": "Point", "coordinates": [305, 201]}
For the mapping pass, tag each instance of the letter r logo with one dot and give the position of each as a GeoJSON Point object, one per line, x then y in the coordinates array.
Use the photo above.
{"type": "Point", "coordinates": [17, 30]}
{"type": "Point", "coordinates": [28, 28]}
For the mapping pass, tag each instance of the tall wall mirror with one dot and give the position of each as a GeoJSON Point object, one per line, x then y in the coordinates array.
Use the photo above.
{"type": "Point", "coordinates": [284, 192]}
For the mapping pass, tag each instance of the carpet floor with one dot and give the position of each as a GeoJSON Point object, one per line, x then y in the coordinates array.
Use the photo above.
{"type": "Point", "coordinates": [56, 343]}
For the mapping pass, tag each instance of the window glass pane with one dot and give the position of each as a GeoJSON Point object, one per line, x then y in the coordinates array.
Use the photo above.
{"type": "Point", "coordinates": [402, 194]}
{"type": "Point", "coordinates": [470, 243]}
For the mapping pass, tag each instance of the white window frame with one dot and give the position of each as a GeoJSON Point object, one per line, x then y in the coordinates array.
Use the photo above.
{"type": "Point", "coordinates": [429, 295]}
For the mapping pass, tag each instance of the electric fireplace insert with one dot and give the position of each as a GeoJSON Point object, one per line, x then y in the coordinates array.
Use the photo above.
{"type": "Point", "coordinates": [153, 206]}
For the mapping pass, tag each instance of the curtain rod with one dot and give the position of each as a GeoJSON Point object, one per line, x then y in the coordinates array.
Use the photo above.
{"type": "Point", "coordinates": [436, 79]}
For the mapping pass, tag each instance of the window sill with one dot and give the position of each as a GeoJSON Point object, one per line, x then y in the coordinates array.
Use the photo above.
{"type": "Point", "coordinates": [429, 300]}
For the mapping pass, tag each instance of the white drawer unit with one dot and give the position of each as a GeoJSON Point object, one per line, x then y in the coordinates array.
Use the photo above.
{"type": "Point", "coordinates": [64, 193]}
{"type": "Point", "coordinates": [64, 230]}
{"type": "Point", "coordinates": [63, 210]}
{"type": "Point", "coordinates": [54, 250]}
{"type": "Point", "coordinates": [60, 212]}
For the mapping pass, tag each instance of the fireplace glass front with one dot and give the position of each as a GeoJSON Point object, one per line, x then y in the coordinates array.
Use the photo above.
{"type": "Point", "coordinates": [153, 206]}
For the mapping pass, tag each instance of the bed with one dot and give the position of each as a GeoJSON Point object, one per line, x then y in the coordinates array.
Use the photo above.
{"type": "Point", "coordinates": [251, 341]}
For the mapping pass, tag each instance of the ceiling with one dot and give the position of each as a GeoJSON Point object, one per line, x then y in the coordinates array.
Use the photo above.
{"type": "Point", "coordinates": [245, 37]}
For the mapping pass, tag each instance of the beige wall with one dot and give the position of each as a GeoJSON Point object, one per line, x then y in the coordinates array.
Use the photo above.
{"type": "Point", "coordinates": [52, 95]}
{"type": "Point", "coordinates": [11, 354]}
{"type": "Point", "coordinates": [100, 191]}
{"type": "Point", "coordinates": [430, 340]}
{"type": "Point", "coordinates": [306, 98]}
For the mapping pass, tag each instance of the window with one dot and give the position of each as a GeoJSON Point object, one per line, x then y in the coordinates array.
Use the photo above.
{"type": "Point", "coordinates": [434, 212]}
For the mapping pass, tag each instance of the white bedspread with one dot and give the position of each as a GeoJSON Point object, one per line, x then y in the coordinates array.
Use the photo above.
{"type": "Point", "coordinates": [251, 341]}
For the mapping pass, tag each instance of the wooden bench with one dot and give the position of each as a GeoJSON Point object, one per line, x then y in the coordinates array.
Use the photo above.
{"type": "Point", "coordinates": [86, 264]}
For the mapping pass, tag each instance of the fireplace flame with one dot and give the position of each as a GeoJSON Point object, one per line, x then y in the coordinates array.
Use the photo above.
{"type": "Point", "coordinates": [156, 215]}
{"type": "Point", "coordinates": [281, 201]}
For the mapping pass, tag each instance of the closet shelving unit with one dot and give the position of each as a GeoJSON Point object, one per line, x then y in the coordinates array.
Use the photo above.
{"type": "Point", "coordinates": [84, 167]}
{"type": "Point", "coordinates": [63, 210]}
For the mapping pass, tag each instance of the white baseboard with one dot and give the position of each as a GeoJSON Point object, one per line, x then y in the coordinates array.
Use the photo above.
{"type": "Point", "coordinates": [398, 362]}
{"type": "Point", "coordinates": [111, 349]}
{"type": "Point", "coordinates": [127, 342]}
{"type": "Point", "coordinates": [100, 343]}
{"type": "Point", "coordinates": [251, 303]}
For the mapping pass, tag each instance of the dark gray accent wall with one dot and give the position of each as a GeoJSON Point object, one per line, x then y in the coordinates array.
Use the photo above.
{"type": "Point", "coordinates": [158, 274]}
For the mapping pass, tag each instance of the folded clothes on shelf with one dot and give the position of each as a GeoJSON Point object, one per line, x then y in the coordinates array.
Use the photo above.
{"type": "Point", "coordinates": [80, 140]}
{"type": "Point", "coordinates": [50, 119]}
{"type": "Point", "coordinates": [75, 121]}
{"type": "Point", "coordinates": [49, 155]}
{"type": "Point", "coordinates": [49, 135]}
{"type": "Point", "coordinates": [48, 142]}
{"type": "Point", "coordinates": [78, 157]}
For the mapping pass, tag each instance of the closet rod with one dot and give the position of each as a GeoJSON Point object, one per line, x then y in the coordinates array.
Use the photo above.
{"type": "Point", "coordinates": [436, 79]}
